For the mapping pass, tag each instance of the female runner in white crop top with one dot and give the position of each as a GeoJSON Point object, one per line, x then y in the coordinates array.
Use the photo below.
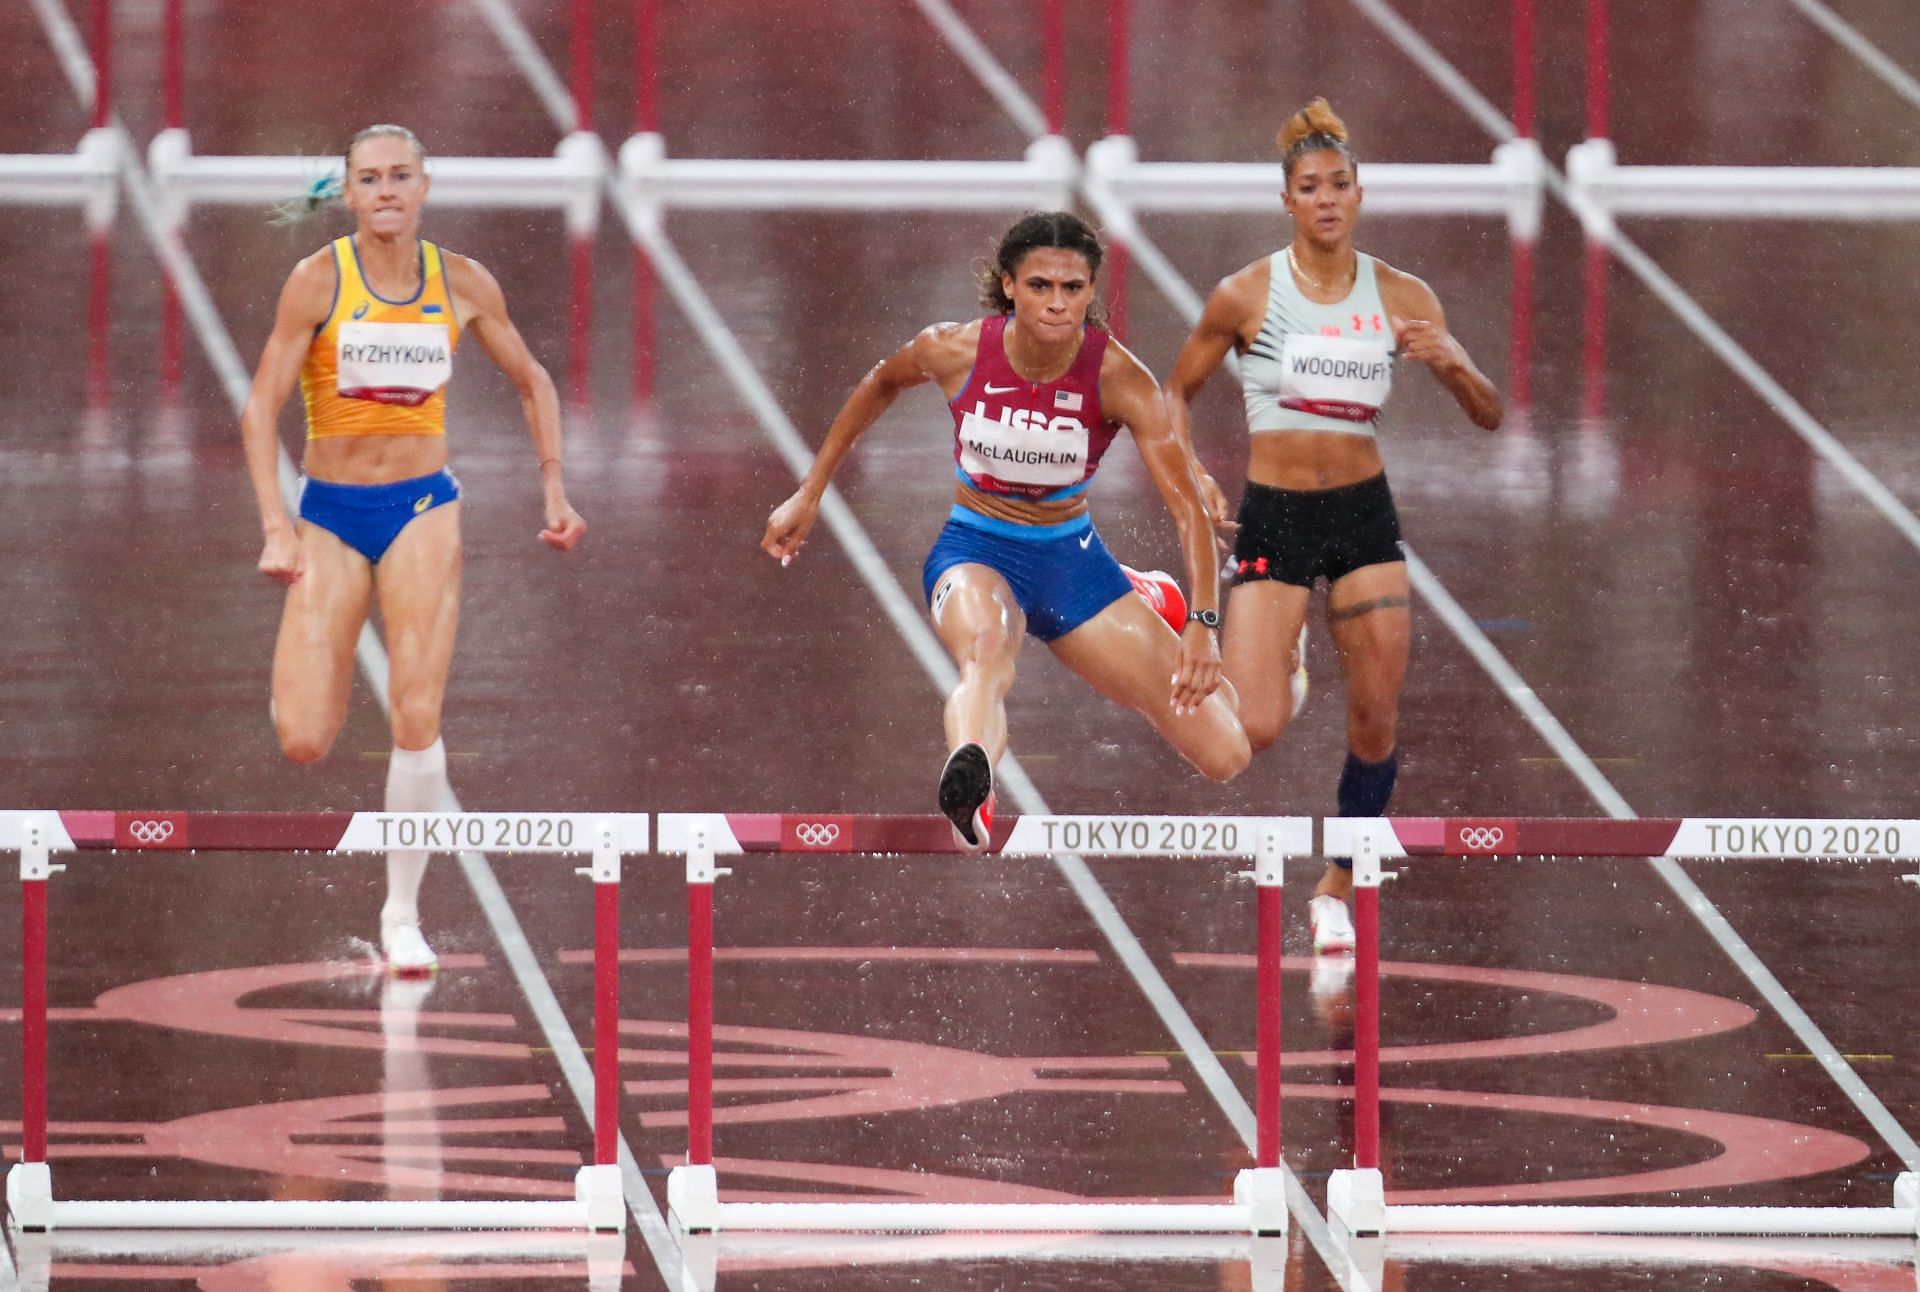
{"type": "Point", "coordinates": [1317, 327]}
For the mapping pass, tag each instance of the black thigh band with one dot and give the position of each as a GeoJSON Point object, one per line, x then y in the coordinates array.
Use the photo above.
{"type": "Point", "coordinates": [1298, 536]}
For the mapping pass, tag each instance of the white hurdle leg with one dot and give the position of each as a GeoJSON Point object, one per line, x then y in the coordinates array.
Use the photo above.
{"type": "Point", "coordinates": [30, 1196]}
{"type": "Point", "coordinates": [1358, 1200]}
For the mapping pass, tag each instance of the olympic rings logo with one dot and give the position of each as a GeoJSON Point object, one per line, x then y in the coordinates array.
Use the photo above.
{"type": "Point", "coordinates": [1482, 838]}
{"type": "Point", "coordinates": [816, 834]}
{"type": "Point", "coordinates": [150, 832]}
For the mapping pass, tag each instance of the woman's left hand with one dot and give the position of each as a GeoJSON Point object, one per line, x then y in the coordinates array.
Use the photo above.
{"type": "Point", "coordinates": [1197, 673]}
{"type": "Point", "coordinates": [1425, 341]}
{"type": "Point", "coordinates": [564, 528]}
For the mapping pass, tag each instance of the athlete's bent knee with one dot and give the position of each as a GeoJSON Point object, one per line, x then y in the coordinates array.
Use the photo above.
{"type": "Point", "coordinates": [1225, 761]}
{"type": "Point", "coordinates": [1223, 755]}
{"type": "Point", "coordinates": [1264, 730]}
{"type": "Point", "coordinates": [304, 745]}
{"type": "Point", "coordinates": [990, 648]}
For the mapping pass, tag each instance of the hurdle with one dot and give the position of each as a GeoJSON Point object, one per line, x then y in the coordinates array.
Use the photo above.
{"type": "Point", "coordinates": [1603, 188]}
{"type": "Point", "coordinates": [90, 174]}
{"type": "Point", "coordinates": [1510, 184]}
{"type": "Point", "coordinates": [38, 835]}
{"type": "Point", "coordinates": [1356, 1198]}
{"type": "Point", "coordinates": [1259, 1197]}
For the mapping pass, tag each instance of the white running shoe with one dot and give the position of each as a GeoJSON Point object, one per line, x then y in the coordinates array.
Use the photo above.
{"type": "Point", "coordinates": [1330, 987]}
{"type": "Point", "coordinates": [1300, 674]}
{"type": "Point", "coordinates": [407, 953]}
{"type": "Point", "coordinates": [1332, 925]}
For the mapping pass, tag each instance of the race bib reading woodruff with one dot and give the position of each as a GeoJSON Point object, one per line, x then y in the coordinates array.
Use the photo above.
{"type": "Point", "coordinates": [1335, 376]}
{"type": "Point", "coordinates": [393, 363]}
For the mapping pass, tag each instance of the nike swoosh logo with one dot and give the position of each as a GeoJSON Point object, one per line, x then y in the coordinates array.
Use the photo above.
{"type": "Point", "coordinates": [999, 390]}
{"type": "Point", "coordinates": [1086, 541]}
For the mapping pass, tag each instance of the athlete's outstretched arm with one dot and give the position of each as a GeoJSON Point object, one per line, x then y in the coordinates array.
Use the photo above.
{"type": "Point", "coordinates": [1129, 394]}
{"type": "Point", "coordinates": [483, 313]}
{"type": "Point", "coordinates": [304, 304]}
{"type": "Point", "coordinates": [1205, 349]}
{"type": "Point", "coordinates": [923, 359]}
{"type": "Point", "coordinates": [1420, 333]}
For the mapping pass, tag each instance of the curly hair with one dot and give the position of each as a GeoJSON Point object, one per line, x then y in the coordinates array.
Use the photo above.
{"type": "Point", "coordinates": [1031, 232]}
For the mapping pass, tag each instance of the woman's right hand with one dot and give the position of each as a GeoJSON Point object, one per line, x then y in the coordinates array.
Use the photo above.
{"type": "Point", "coordinates": [788, 525]}
{"type": "Point", "coordinates": [1219, 511]}
{"type": "Point", "coordinates": [281, 558]}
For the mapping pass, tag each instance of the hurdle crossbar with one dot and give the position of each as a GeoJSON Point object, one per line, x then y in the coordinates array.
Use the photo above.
{"type": "Point", "coordinates": [1510, 184]}
{"type": "Point", "coordinates": [569, 179]}
{"type": "Point", "coordinates": [1259, 1196]}
{"type": "Point", "coordinates": [1044, 177]}
{"type": "Point", "coordinates": [598, 1202]}
{"type": "Point", "coordinates": [89, 174]}
{"type": "Point", "coordinates": [1357, 1198]}
{"type": "Point", "coordinates": [1795, 192]}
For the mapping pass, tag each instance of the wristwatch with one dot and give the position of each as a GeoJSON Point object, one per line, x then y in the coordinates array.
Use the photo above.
{"type": "Point", "coordinates": [1211, 618]}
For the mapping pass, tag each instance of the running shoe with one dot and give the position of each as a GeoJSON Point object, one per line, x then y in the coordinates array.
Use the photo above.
{"type": "Point", "coordinates": [1161, 591]}
{"type": "Point", "coordinates": [966, 795]}
{"type": "Point", "coordinates": [406, 951]}
{"type": "Point", "coordinates": [1330, 987]}
{"type": "Point", "coordinates": [1332, 925]}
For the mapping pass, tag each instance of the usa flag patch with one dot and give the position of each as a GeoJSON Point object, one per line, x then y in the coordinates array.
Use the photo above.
{"type": "Point", "coordinates": [1067, 399]}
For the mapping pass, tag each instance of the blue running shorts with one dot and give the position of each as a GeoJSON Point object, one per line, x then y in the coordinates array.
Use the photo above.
{"type": "Point", "coordinates": [1061, 575]}
{"type": "Point", "coordinates": [368, 518]}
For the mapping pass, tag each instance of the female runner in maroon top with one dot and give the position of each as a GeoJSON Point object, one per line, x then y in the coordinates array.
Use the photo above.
{"type": "Point", "coordinates": [1037, 393]}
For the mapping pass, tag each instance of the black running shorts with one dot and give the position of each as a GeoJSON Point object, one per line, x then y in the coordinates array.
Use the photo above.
{"type": "Point", "coordinates": [1298, 536]}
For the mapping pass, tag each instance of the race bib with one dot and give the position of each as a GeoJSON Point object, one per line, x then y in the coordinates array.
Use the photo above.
{"type": "Point", "coordinates": [1027, 448]}
{"type": "Point", "coordinates": [1335, 376]}
{"type": "Point", "coordinates": [393, 363]}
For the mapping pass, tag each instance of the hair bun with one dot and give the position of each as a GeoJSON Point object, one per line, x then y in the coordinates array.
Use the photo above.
{"type": "Point", "coordinates": [1317, 118]}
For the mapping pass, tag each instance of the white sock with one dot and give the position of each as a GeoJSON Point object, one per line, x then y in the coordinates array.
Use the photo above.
{"type": "Point", "coordinates": [416, 779]}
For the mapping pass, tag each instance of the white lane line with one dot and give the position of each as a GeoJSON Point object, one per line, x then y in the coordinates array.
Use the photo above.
{"type": "Point", "coordinates": [525, 53]}
{"type": "Point", "coordinates": [1797, 418]}
{"type": "Point", "coordinates": [906, 618]}
{"type": "Point", "coordinates": [1515, 688]}
{"type": "Point", "coordinates": [1415, 47]}
{"type": "Point", "coordinates": [68, 47]}
{"type": "Point", "coordinates": [1863, 49]}
{"type": "Point", "coordinates": [985, 67]}
{"type": "Point", "coordinates": [1675, 877]}
{"type": "Point", "coordinates": [904, 613]}
{"type": "Point", "coordinates": [210, 329]}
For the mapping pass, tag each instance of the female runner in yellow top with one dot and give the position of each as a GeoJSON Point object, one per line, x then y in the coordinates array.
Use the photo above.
{"type": "Point", "coordinates": [368, 326]}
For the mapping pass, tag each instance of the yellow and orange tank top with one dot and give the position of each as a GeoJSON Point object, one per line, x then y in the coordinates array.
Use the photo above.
{"type": "Point", "coordinates": [380, 367]}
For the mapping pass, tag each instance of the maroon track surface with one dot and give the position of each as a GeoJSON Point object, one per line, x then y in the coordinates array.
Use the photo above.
{"type": "Point", "coordinates": [1718, 620]}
